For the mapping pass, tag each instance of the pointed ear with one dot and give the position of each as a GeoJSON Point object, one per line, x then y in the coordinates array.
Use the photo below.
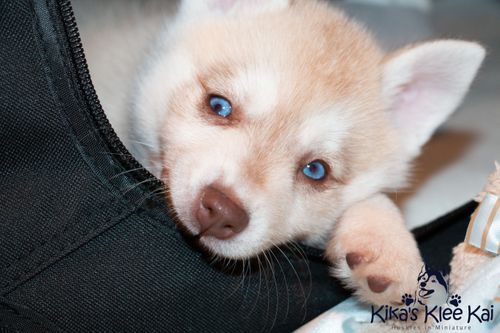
{"type": "Point", "coordinates": [424, 84]}
{"type": "Point", "coordinates": [217, 7]}
{"type": "Point", "coordinates": [422, 271]}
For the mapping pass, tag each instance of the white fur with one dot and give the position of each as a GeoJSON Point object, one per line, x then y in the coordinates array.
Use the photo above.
{"type": "Point", "coordinates": [257, 89]}
{"type": "Point", "coordinates": [325, 131]}
{"type": "Point", "coordinates": [149, 105]}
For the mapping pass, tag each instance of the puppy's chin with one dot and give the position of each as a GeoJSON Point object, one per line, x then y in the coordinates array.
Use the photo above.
{"type": "Point", "coordinates": [245, 245]}
{"type": "Point", "coordinates": [251, 242]}
{"type": "Point", "coordinates": [236, 248]}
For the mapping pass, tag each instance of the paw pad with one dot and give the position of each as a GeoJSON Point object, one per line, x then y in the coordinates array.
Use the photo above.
{"type": "Point", "coordinates": [407, 299]}
{"type": "Point", "coordinates": [455, 300]}
{"type": "Point", "coordinates": [353, 259]}
{"type": "Point", "coordinates": [378, 284]}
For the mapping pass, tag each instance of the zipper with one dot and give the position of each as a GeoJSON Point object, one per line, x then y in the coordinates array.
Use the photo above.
{"type": "Point", "coordinates": [87, 89]}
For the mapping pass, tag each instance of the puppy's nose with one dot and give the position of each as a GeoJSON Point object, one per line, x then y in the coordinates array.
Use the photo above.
{"type": "Point", "coordinates": [218, 215]}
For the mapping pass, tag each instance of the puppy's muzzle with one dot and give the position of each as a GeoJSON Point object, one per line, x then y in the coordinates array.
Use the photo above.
{"type": "Point", "coordinates": [218, 215]}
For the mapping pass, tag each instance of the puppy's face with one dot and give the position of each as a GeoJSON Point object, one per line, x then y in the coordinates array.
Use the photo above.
{"type": "Point", "coordinates": [432, 287]}
{"type": "Point", "coordinates": [269, 119]}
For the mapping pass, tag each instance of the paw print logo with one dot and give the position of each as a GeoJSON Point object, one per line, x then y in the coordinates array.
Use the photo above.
{"type": "Point", "coordinates": [455, 300]}
{"type": "Point", "coordinates": [407, 299]}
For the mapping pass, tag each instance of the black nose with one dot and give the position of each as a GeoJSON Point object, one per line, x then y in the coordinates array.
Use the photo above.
{"type": "Point", "coordinates": [423, 284]}
{"type": "Point", "coordinates": [218, 215]}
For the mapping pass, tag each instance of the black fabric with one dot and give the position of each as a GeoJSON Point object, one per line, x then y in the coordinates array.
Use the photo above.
{"type": "Point", "coordinates": [86, 246]}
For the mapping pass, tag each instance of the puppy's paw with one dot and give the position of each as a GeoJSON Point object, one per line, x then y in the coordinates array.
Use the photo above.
{"type": "Point", "coordinates": [374, 253]}
{"type": "Point", "coordinates": [379, 276]}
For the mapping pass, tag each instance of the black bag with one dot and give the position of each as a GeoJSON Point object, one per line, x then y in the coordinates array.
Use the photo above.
{"type": "Point", "coordinates": [86, 246]}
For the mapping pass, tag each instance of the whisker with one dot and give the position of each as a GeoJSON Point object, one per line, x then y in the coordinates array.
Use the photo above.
{"type": "Point", "coordinates": [138, 184]}
{"type": "Point", "coordinates": [242, 280]}
{"type": "Point", "coordinates": [260, 282]}
{"type": "Point", "coordinates": [127, 171]}
{"type": "Point", "coordinates": [286, 286]}
{"type": "Point", "coordinates": [296, 274]}
{"type": "Point", "coordinates": [118, 154]}
{"type": "Point", "coordinates": [157, 192]}
{"type": "Point", "coordinates": [277, 295]}
{"type": "Point", "coordinates": [143, 143]}
{"type": "Point", "coordinates": [249, 279]}
{"type": "Point", "coordinates": [267, 287]}
{"type": "Point", "coordinates": [303, 255]}
{"type": "Point", "coordinates": [295, 271]}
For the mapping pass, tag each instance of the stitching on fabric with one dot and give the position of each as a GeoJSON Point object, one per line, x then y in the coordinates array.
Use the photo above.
{"type": "Point", "coordinates": [23, 316]}
{"type": "Point", "coordinates": [28, 271]}
{"type": "Point", "coordinates": [55, 238]}
{"type": "Point", "coordinates": [36, 247]}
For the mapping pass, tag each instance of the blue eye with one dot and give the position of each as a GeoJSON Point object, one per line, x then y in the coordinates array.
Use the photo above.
{"type": "Point", "coordinates": [220, 106]}
{"type": "Point", "coordinates": [315, 170]}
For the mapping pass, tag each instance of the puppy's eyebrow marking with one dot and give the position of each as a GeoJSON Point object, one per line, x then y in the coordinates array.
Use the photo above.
{"type": "Point", "coordinates": [253, 91]}
{"type": "Point", "coordinates": [325, 130]}
{"type": "Point", "coordinates": [324, 134]}
{"type": "Point", "coordinates": [259, 88]}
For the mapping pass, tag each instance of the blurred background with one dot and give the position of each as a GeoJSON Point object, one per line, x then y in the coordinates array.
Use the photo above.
{"type": "Point", "coordinates": [454, 165]}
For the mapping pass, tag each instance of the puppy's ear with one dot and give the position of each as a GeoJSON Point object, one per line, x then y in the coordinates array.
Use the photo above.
{"type": "Point", "coordinates": [424, 84]}
{"type": "Point", "coordinates": [422, 272]}
{"type": "Point", "coordinates": [218, 7]}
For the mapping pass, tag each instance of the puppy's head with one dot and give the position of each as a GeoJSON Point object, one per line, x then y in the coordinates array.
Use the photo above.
{"type": "Point", "coordinates": [268, 118]}
{"type": "Point", "coordinates": [432, 287]}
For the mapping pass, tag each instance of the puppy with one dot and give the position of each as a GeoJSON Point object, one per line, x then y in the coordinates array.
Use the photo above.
{"type": "Point", "coordinates": [280, 120]}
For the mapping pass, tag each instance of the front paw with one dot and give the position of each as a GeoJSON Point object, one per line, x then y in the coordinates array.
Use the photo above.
{"type": "Point", "coordinates": [379, 277]}
{"type": "Point", "coordinates": [374, 253]}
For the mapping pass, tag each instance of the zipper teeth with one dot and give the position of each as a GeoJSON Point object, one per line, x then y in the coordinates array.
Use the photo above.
{"type": "Point", "coordinates": [90, 95]}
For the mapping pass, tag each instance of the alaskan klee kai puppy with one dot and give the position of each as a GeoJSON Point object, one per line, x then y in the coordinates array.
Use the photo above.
{"type": "Point", "coordinates": [282, 119]}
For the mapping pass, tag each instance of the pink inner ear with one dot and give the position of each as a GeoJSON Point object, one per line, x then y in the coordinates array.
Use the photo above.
{"type": "Point", "coordinates": [416, 102]}
{"type": "Point", "coordinates": [406, 105]}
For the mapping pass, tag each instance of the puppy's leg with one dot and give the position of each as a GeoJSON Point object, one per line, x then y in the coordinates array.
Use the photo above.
{"type": "Point", "coordinates": [374, 252]}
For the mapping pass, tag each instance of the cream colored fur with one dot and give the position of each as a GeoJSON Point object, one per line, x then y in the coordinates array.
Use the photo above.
{"type": "Point", "coordinates": [375, 228]}
{"type": "Point", "coordinates": [305, 83]}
